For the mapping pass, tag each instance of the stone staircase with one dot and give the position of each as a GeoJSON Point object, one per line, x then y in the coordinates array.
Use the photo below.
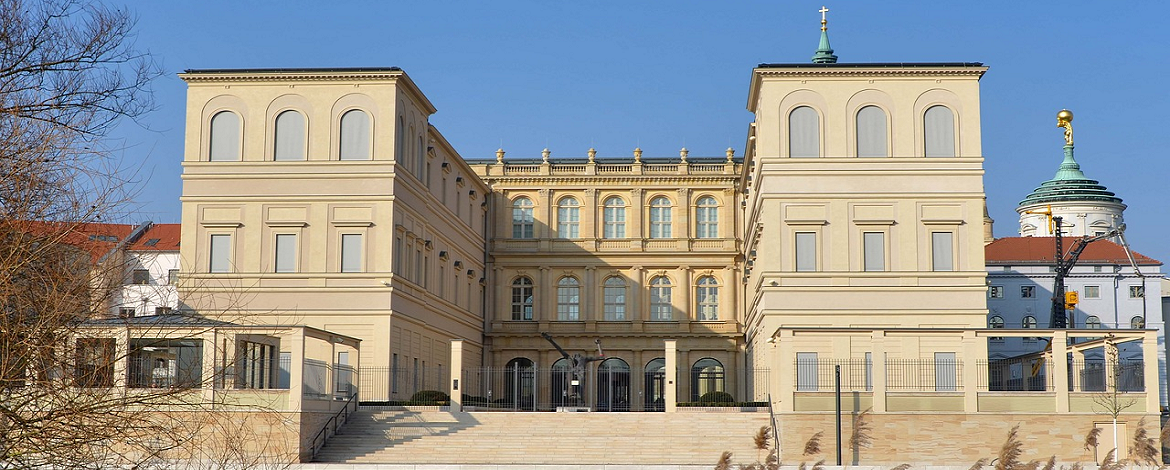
{"type": "Point", "coordinates": [502, 438]}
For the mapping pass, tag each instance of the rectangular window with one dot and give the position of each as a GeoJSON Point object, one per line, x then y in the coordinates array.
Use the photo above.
{"type": "Point", "coordinates": [1027, 292]}
{"type": "Point", "coordinates": [875, 250]}
{"type": "Point", "coordinates": [442, 291]}
{"type": "Point", "coordinates": [1097, 268]}
{"type": "Point", "coordinates": [126, 312]}
{"type": "Point", "coordinates": [995, 292]}
{"type": "Point", "coordinates": [945, 372]}
{"type": "Point", "coordinates": [140, 276]}
{"type": "Point", "coordinates": [172, 276]}
{"type": "Point", "coordinates": [162, 310]}
{"type": "Point", "coordinates": [398, 255]}
{"type": "Point", "coordinates": [806, 251]}
{"type": "Point", "coordinates": [351, 253]}
{"type": "Point", "coordinates": [221, 250]}
{"type": "Point", "coordinates": [806, 372]}
{"type": "Point", "coordinates": [1137, 292]}
{"type": "Point", "coordinates": [942, 251]}
{"type": "Point", "coordinates": [1092, 292]}
{"type": "Point", "coordinates": [95, 362]}
{"type": "Point", "coordinates": [286, 253]}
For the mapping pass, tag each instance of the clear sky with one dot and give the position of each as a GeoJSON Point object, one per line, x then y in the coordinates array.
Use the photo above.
{"type": "Point", "coordinates": [660, 75]}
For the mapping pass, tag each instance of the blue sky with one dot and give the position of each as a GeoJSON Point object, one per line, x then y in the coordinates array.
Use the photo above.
{"type": "Point", "coordinates": [661, 75]}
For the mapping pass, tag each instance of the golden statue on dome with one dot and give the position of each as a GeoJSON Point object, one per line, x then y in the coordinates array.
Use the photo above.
{"type": "Point", "coordinates": [1064, 119]}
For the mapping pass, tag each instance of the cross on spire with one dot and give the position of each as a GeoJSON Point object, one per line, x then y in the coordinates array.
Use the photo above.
{"type": "Point", "coordinates": [824, 21]}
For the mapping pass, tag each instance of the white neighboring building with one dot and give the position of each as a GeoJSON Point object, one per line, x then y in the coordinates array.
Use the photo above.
{"type": "Point", "coordinates": [1112, 293]}
{"type": "Point", "coordinates": [152, 268]}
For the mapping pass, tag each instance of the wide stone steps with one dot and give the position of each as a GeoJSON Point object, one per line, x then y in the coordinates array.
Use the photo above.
{"type": "Point", "coordinates": [432, 437]}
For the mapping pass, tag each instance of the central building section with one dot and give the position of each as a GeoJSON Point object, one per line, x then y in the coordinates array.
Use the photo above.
{"type": "Point", "coordinates": [623, 250]}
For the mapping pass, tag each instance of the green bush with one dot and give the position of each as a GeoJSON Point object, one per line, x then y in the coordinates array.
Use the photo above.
{"type": "Point", "coordinates": [716, 397]}
{"type": "Point", "coordinates": [734, 404]}
{"type": "Point", "coordinates": [422, 396]}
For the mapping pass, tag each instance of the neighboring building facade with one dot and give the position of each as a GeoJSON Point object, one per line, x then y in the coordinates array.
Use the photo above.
{"type": "Point", "coordinates": [323, 197]}
{"type": "Point", "coordinates": [151, 260]}
{"type": "Point", "coordinates": [625, 251]}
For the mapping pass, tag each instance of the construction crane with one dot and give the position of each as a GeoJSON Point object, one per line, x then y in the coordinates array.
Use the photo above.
{"type": "Point", "coordinates": [1062, 301]}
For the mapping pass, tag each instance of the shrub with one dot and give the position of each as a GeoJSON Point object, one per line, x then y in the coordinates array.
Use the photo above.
{"type": "Point", "coordinates": [716, 397]}
{"type": "Point", "coordinates": [429, 396]}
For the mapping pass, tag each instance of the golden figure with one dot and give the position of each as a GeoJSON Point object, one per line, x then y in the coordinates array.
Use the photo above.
{"type": "Point", "coordinates": [1064, 119]}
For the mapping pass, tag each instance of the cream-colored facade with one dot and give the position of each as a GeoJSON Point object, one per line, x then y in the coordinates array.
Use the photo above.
{"type": "Point", "coordinates": [323, 197]}
{"type": "Point", "coordinates": [864, 202]}
{"type": "Point", "coordinates": [626, 251]}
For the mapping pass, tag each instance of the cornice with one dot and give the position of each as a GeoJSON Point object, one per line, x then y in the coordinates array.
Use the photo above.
{"type": "Point", "coordinates": [549, 179]}
{"type": "Point", "coordinates": [289, 76]}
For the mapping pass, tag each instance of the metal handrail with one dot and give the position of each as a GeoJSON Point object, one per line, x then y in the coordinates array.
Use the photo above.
{"type": "Point", "coordinates": [775, 429]}
{"type": "Point", "coordinates": [336, 420]}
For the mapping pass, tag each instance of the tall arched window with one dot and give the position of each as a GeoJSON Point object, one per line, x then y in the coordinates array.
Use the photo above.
{"type": "Point", "coordinates": [804, 133]}
{"type": "Point", "coordinates": [522, 298]}
{"type": "Point", "coordinates": [707, 376]}
{"type": "Point", "coordinates": [613, 385]}
{"type": "Point", "coordinates": [615, 298]}
{"type": "Point", "coordinates": [569, 218]}
{"type": "Point", "coordinates": [614, 218]}
{"type": "Point", "coordinates": [660, 307]}
{"type": "Point", "coordinates": [1092, 322]}
{"type": "Point", "coordinates": [872, 132]}
{"type": "Point", "coordinates": [939, 131]}
{"type": "Point", "coordinates": [561, 387]}
{"type": "Point", "coordinates": [707, 218]}
{"type": "Point", "coordinates": [400, 143]}
{"type": "Point", "coordinates": [225, 137]}
{"type": "Point", "coordinates": [568, 299]}
{"type": "Point", "coordinates": [520, 384]}
{"type": "Point", "coordinates": [420, 160]}
{"type": "Point", "coordinates": [660, 215]}
{"type": "Point", "coordinates": [707, 298]}
{"type": "Point", "coordinates": [355, 136]}
{"type": "Point", "coordinates": [522, 221]}
{"type": "Point", "coordinates": [289, 137]}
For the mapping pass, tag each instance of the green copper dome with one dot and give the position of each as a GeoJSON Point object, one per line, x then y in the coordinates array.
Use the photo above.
{"type": "Point", "coordinates": [824, 53]}
{"type": "Point", "coordinates": [1069, 185]}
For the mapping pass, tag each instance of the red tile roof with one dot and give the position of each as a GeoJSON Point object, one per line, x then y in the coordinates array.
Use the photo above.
{"type": "Point", "coordinates": [95, 238]}
{"type": "Point", "coordinates": [1041, 250]}
{"type": "Point", "coordinates": [159, 237]}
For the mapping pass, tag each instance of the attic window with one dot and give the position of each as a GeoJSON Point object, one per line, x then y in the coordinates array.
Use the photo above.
{"type": "Point", "coordinates": [103, 238]}
{"type": "Point", "coordinates": [151, 242]}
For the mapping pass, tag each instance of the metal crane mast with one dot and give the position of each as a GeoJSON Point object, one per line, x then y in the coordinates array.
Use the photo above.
{"type": "Point", "coordinates": [1064, 263]}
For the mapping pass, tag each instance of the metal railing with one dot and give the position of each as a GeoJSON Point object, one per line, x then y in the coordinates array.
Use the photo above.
{"type": "Point", "coordinates": [388, 384]}
{"type": "Point", "coordinates": [1016, 375]}
{"type": "Point", "coordinates": [330, 428]}
{"type": "Point", "coordinates": [923, 375]}
{"type": "Point", "coordinates": [1100, 376]}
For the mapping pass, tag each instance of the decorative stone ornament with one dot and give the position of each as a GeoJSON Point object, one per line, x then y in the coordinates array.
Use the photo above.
{"type": "Point", "coordinates": [592, 154]}
{"type": "Point", "coordinates": [638, 155]}
{"type": "Point", "coordinates": [730, 154]}
{"type": "Point", "coordinates": [683, 153]}
{"type": "Point", "coordinates": [545, 154]}
{"type": "Point", "coordinates": [500, 155]}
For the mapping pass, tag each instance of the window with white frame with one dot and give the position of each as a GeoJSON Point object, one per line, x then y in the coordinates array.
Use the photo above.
{"type": "Point", "coordinates": [522, 298]}
{"type": "Point", "coordinates": [568, 299]}
{"type": "Point", "coordinates": [874, 248]}
{"type": "Point", "coordinates": [995, 292]}
{"type": "Point", "coordinates": [1092, 292]}
{"type": "Point", "coordinates": [660, 305]}
{"type": "Point", "coordinates": [942, 251]}
{"type": "Point", "coordinates": [614, 218]}
{"type": "Point", "coordinates": [224, 145]}
{"type": "Point", "coordinates": [1137, 292]}
{"type": "Point", "coordinates": [660, 217]}
{"type": "Point", "coordinates": [707, 298]}
{"type": "Point", "coordinates": [351, 252]}
{"type": "Point", "coordinates": [569, 218]}
{"type": "Point", "coordinates": [804, 132]}
{"type": "Point", "coordinates": [939, 131]}
{"type": "Point", "coordinates": [1029, 322]}
{"type": "Point", "coordinates": [1137, 323]}
{"type": "Point", "coordinates": [172, 276]}
{"type": "Point", "coordinates": [286, 253]}
{"type": "Point", "coordinates": [140, 276]}
{"type": "Point", "coordinates": [289, 137]}
{"type": "Point", "coordinates": [615, 298]}
{"type": "Point", "coordinates": [1027, 292]}
{"type": "Point", "coordinates": [872, 132]}
{"type": "Point", "coordinates": [355, 136]}
{"type": "Point", "coordinates": [523, 225]}
{"type": "Point", "coordinates": [706, 218]}
{"type": "Point", "coordinates": [220, 253]}
{"type": "Point", "coordinates": [1092, 322]}
{"type": "Point", "coordinates": [806, 251]}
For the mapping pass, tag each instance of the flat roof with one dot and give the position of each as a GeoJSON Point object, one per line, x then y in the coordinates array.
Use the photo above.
{"type": "Point", "coordinates": [297, 70]}
{"type": "Point", "coordinates": [810, 65]}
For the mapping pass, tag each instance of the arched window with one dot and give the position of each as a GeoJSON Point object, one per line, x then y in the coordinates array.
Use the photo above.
{"type": "Point", "coordinates": [939, 135]}
{"type": "Point", "coordinates": [225, 137]}
{"type": "Point", "coordinates": [568, 299]}
{"type": "Point", "coordinates": [519, 384]}
{"type": "Point", "coordinates": [660, 217]}
{"type": "Point", "coordinates": [804, 133]}
{"type": "Point", "coordinates": [355, 136]}
{"type": "Point", "coordinates": [569, 218]}
{"type": "Point", "coordinates": [660, 307]}
{"type": "Point", "coordinates": [707, 298]}
{"type": "Point", "coordinates": [655, 385]}
{"type": "Point", "coordinates": [400, 143]}
{"type": "Point", "coordinates": [614, 218]}
{"type": "Point", "coordinates": [996, 321]}
{"type": "Point", "coordinates": [522, 298]}
{"type": "Point", "coordinates": [872, 132]}
{"type": "Point", "coordinates": [1029, 322]}
{"type": "Point", "coordinates": [289, 137]}
{"type": "Point", "coordinates": [420, 159]}
{"type": "Point", "coordinates": [522, 222]}
{"type": "Point", "coordinates": [1137, 323]}
{"type": "Point", "coordinates": [613, 385]}
{"type": "Point", "coordinates": [615, 298]}
{"type": "Point", "coordinates": [707, 218]}
{"type": "Point", "coordinates": [1092, 322]}
{"type": "Point", "coordinates": [707, 376]}
{"type": "Point", "coordinates": [562, 391]}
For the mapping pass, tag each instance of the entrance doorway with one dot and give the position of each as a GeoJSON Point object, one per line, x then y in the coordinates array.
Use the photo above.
{"type": "Point", "coordinates": [613, 385]}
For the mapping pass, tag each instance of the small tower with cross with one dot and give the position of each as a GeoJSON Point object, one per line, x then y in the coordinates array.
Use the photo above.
{"type": "Point", "coordinates": [824, 53]}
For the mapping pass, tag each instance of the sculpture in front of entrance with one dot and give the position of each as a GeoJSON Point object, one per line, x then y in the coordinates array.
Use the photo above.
{"type": "Point", "coordinates": [577, 365]}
